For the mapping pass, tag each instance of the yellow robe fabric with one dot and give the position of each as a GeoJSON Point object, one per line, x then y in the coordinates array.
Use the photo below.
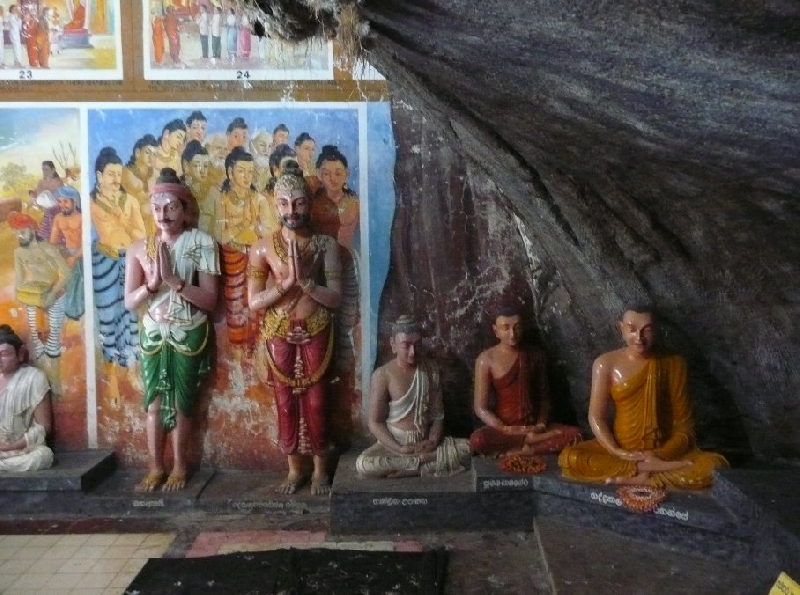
{"type": "Point", "coordinates": [652, 412]}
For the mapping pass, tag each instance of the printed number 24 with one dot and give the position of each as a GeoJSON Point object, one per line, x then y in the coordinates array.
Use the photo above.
{"type": "Point", "coordinates": [242, 74]}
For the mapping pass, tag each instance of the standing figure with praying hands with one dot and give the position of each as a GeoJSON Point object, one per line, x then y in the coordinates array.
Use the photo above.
{"type": "Point", "coordinates": [295, 275]}
{"type": "Point", "coordinates": [512, 396]}
{"type": "Point", "coordinates": [174, 274]}
{"type": "Point", "coordinates": [651, 441]}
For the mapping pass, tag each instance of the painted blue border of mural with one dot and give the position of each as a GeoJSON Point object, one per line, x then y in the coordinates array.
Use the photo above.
{"type": "Point", "coordinates": [381, 164]}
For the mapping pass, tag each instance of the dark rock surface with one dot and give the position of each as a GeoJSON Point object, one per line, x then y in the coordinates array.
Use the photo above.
{"type": "Point", "coordinates": [588, 155]}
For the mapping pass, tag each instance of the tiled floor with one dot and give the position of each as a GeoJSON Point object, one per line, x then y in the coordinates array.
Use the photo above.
{"type": "Point", "coordinates": [87, 564]}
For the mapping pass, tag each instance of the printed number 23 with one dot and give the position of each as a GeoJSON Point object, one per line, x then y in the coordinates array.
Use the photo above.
{"type": "Point", "coordinates": [25, 75]}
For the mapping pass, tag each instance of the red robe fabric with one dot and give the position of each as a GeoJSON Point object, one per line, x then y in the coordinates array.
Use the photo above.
{"type": "Point", "coordinates": [301, 416]}
{"type": "Point", "coordinates": [520, 403]}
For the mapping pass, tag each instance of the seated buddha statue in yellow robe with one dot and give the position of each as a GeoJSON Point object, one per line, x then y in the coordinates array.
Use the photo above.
{"type": "Point", "coordinates": [651, 441]}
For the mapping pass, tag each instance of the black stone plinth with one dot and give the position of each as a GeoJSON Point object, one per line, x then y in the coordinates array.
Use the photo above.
{"type": "Point", "coordinates": [414, 504]}
{"type": "Point", "coordinates": [766, 502]}
{"type": "Point", "coordinates": [207, 492]}
{"type": "Point", "coordinates": [693, 509]}
{"type": "Point", "coordinates": [73, 471]}
{"type": "Point", "coordinates": [692, 521]}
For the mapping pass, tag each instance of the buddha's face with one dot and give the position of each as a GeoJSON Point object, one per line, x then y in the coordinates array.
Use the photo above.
{"type": "Point", "coordinates": [406, 346]}
{"type": "Point", "coordinates": [638, 331]}
{"type": "Point", "coordinates": [508, 330]}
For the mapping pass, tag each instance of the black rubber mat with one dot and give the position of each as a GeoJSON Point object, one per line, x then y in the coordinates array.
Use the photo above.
{"type": "Point", "coordinates": [296, 572]}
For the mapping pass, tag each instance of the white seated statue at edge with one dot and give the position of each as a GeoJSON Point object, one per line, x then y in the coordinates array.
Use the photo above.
{"type": "Point", "coordinates": [25, 409]}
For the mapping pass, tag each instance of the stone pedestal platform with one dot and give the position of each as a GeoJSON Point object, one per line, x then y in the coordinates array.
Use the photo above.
{"type": "Point", "coordinates": [750, 518]}
{"type": "Point", "coordinates": [70, 489]}
{"type": "Point", "coordinates": [413, 504]}
{"type": "Point", "coordinates": [692, 521]}
{"type": "Point", "coordinates": [489, 498]}
{"type": "Point", "coordinates": [73, 471]}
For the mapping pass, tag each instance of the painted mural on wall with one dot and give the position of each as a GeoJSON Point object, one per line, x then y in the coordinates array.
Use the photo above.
{"type": "Point", "coordinates": [214, 40]}
{"type": "Point", "coordinates": [229, 155]}
{"type": "Point", "coordinates": [41, 275]}
{"type": "Point", "coordinates": [61, 40]}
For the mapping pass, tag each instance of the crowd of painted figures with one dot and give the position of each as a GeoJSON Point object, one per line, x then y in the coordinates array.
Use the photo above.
{"type": "Point", "coordinates": [279, 253]}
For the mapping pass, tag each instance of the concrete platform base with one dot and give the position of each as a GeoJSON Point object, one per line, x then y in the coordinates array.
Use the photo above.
{"type": "Point", "coordinates": [369, 506]}
{"type": "Point", "coordinates": [749, 519]}
{"type": "Point", "coordinates": [73, 471]}
{"type": "Point", "coordinates": [489, 498]}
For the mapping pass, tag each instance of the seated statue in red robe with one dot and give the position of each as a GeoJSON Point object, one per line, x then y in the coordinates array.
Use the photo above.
{"type": "Point", "coordinates": [517, 418]}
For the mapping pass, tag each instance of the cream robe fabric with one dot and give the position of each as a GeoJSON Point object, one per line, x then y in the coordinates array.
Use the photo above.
{"type": "Point", "coordinates": [424, 398]}
{"type": "Point", "coordinates": [24, 391]}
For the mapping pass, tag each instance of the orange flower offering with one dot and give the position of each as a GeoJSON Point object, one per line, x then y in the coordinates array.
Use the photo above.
{"type": "Point", "coordinates": [641, 499]}
{"type": "Point", "coordinates": [523, 464]}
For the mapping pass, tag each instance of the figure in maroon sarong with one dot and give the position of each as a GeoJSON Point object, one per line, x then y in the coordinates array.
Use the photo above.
{"type": "Point", "coordinates": [296, 275]}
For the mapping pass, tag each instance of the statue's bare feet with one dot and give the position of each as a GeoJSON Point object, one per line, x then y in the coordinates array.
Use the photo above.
{"type": "Point", "coordinates": [290, 485]}
{"type": "Point", "coordinates": [641, 479]}
{"type": "Point", "coordinates": [176, 481]}
{"type": "Point", "coordinates": [150, 482]}
{"type": "Point", "coordinates": [320, 486]}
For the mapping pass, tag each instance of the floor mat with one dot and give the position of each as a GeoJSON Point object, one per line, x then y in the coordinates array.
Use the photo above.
{"type": "Point", "coordinates": [296, 572]}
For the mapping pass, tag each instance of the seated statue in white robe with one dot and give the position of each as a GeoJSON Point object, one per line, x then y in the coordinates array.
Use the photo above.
{"type": "Point", "coordinates": [25, 409]}
{"type": "Point", "coordinates": [406, 416]}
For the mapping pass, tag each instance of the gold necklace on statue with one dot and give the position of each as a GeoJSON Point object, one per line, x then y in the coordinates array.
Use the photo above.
{"type": "Point", "coordinates": [281, 246]}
